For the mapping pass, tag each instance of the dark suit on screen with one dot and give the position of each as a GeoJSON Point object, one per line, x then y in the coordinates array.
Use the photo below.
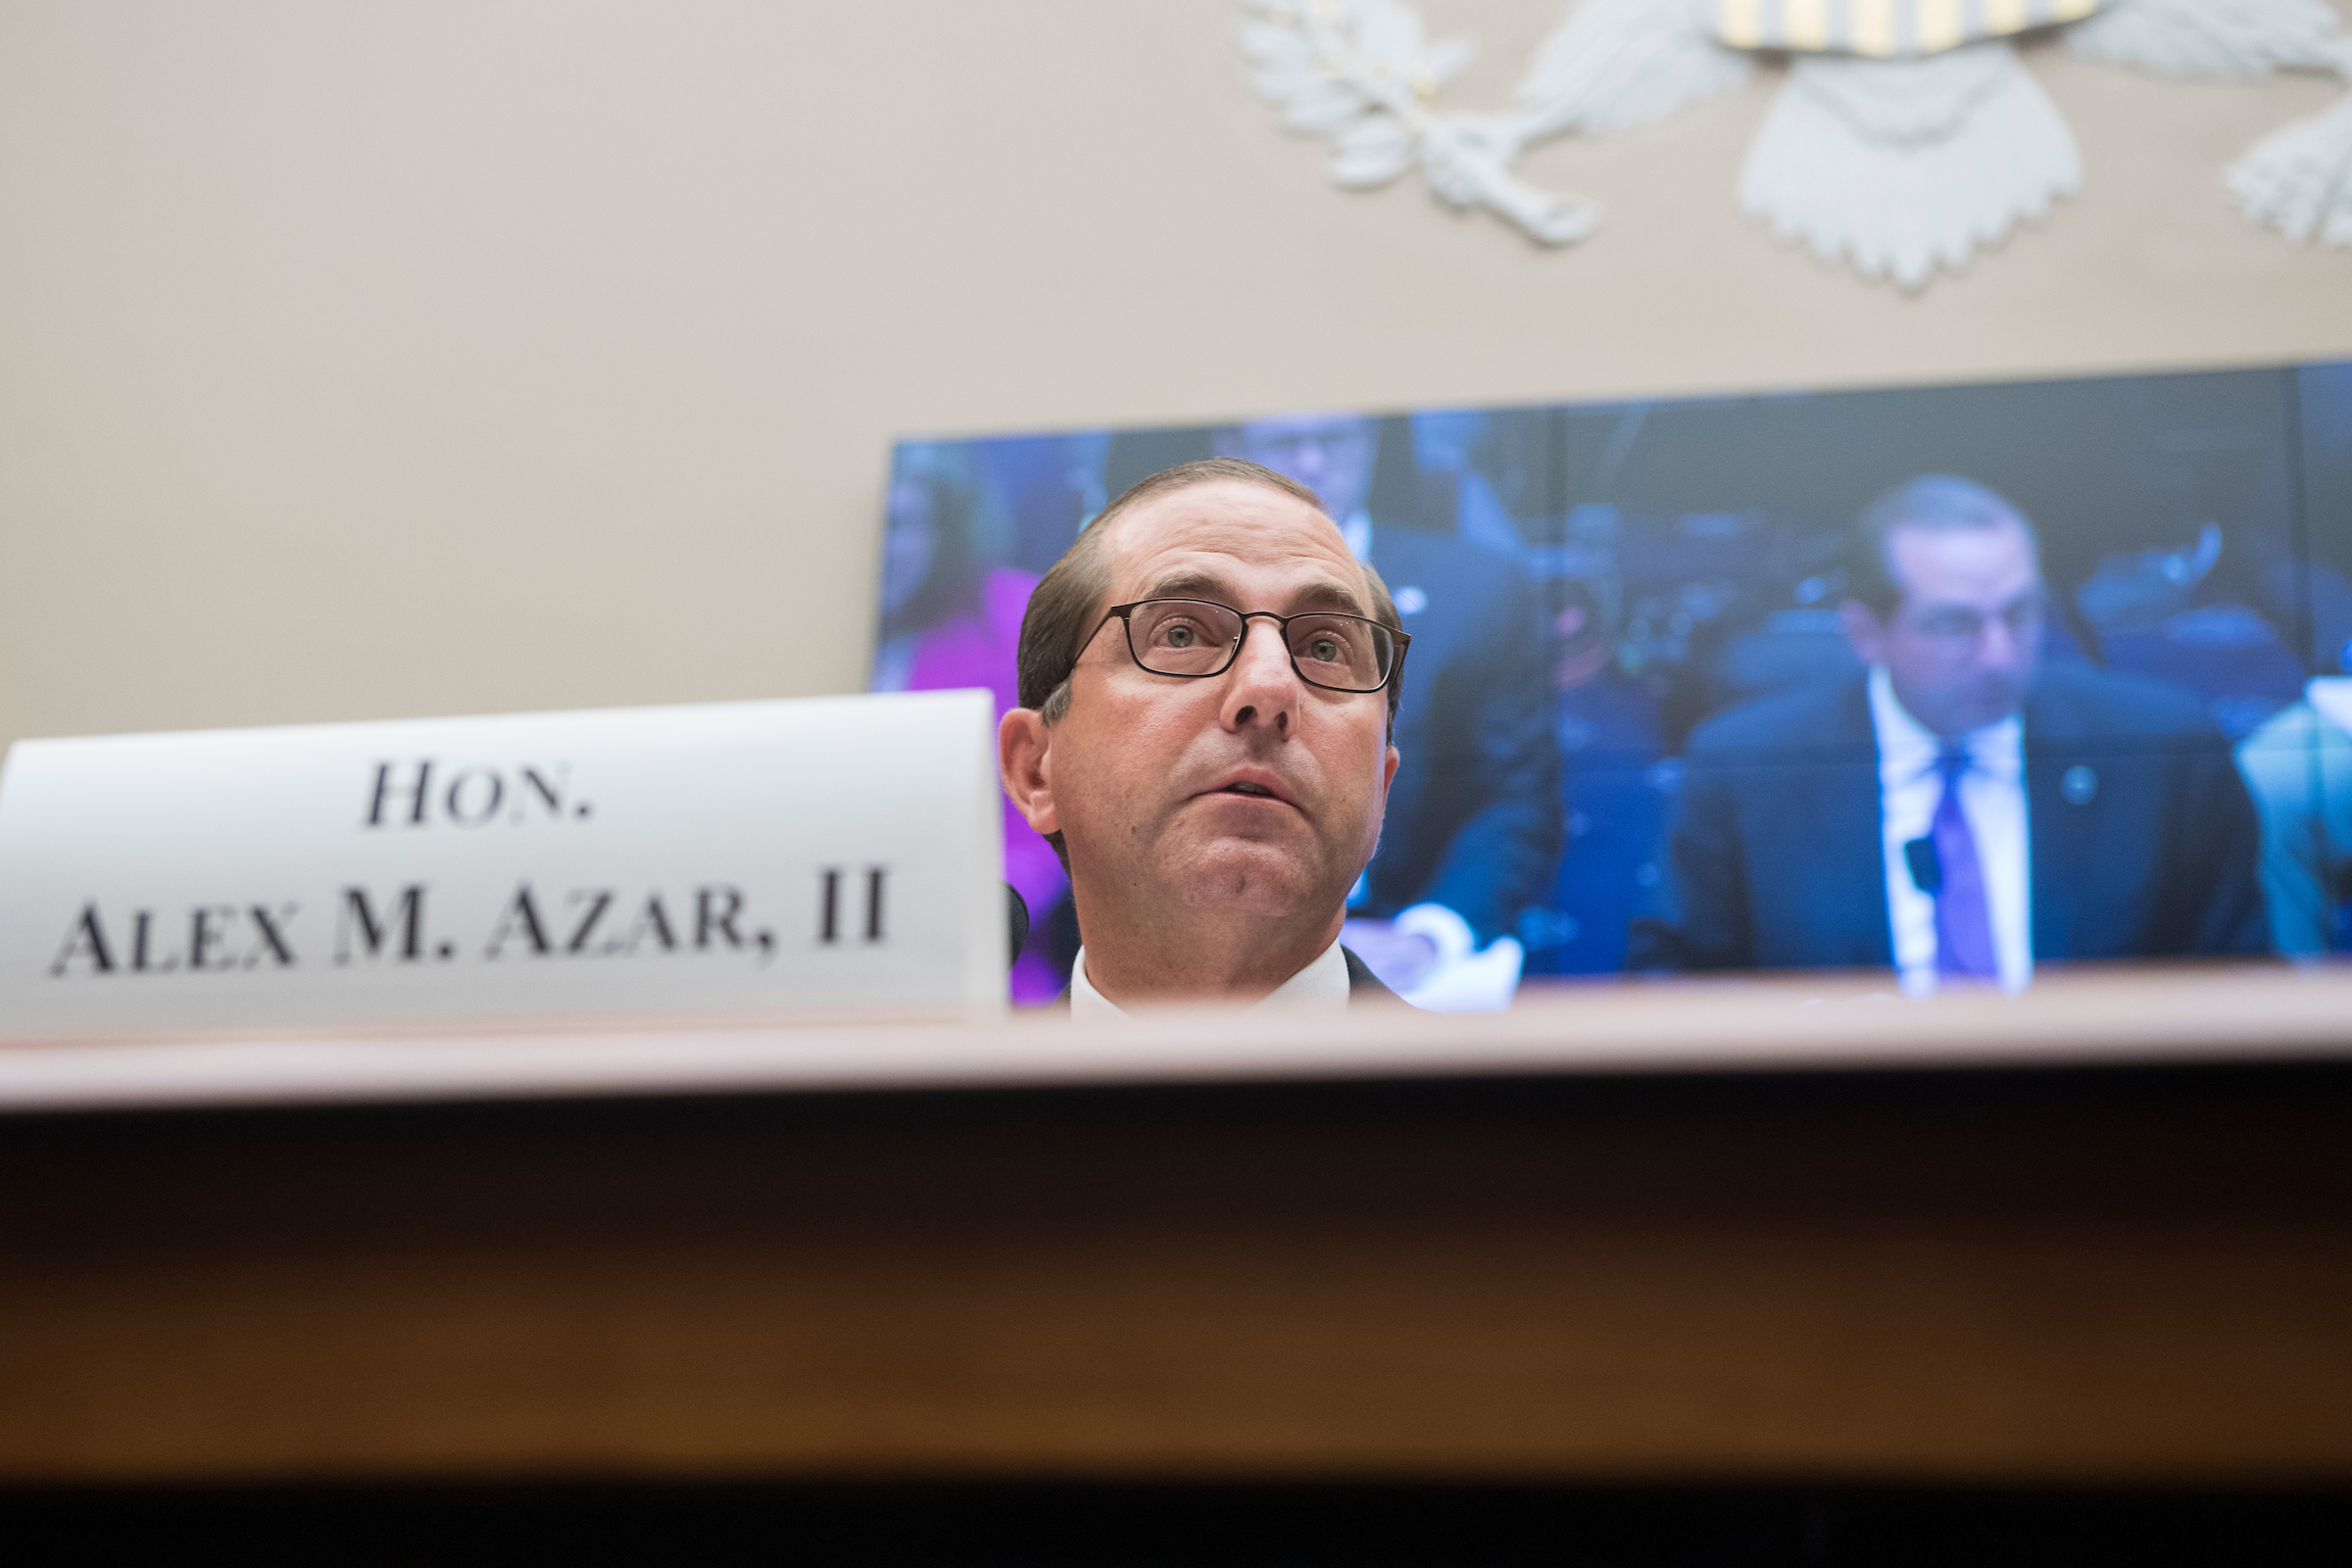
{"type": "Point", "coordinates": [1474, 815]}
{"type": "Point", "coordinates": [1775, 858]}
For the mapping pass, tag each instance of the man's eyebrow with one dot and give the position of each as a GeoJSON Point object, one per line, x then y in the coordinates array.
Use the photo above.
{"type": "Point", "coordinates": [1194, 584]}
{"type": "Point", "coordinates": [1189, 584]}
{"type": "Point", "coordinates": [1328, 596]}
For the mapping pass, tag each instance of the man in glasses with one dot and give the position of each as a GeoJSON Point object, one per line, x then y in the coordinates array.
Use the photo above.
{"type": "Point", "coordinates": [1964, 809]}
{"type": "Point", "coordinates": [1209, 681]}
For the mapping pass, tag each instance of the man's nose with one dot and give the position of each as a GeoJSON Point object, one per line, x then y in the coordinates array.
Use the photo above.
{"type": "Point", "coordinates": [1261, 687]}
{"type": "Point", "coordinates": [1997, 645]}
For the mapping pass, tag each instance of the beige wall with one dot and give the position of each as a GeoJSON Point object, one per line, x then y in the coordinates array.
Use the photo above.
{"type": "Point", "coordinates": [371, 359]}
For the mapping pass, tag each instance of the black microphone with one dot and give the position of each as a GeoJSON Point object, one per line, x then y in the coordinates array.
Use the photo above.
{"type": "Point", "coordinates": [1927, 866]}
{"type": "Point", "coordinates": [1016, 916]}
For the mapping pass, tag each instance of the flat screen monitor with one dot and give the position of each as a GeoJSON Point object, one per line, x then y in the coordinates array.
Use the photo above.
{"type": "Point", "coordinates": [1691, 679]}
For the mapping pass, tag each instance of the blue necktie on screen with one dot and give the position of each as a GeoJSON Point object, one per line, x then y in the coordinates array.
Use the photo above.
{"type": "Point", "coordinates": [1963, 924]}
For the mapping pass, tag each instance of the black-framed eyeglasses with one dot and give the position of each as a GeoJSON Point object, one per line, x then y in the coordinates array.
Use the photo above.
{"type": "Point", "coordinates": [1196, 638]}
{"type": "Point", "coordinates": [1960, 623]}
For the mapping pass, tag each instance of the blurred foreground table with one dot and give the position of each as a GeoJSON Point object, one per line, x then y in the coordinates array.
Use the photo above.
{"type": "Point", "coordinates": [2097, 1236]}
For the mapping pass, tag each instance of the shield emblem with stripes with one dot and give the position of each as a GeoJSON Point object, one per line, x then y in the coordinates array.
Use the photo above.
{"type": "Point", "coordinates": [1884, 28]}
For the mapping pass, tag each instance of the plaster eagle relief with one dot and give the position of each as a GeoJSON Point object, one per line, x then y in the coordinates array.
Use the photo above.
{"type": "Point", "coordinates": [1906, 135]}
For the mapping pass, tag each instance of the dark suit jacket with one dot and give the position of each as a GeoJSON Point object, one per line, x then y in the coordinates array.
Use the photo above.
{"type": "Point", "coordinates": [1474, 817]}
{"type": "Point", "coordinates": [1362, 985]}
{"type": "Point", "coordinates": [1775, 857]}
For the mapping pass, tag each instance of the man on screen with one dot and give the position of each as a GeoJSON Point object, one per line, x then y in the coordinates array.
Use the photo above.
{"type": "Point", "coordinates": [1963, 809]}
{"type": "Point", "coordinates": [1209, 682]}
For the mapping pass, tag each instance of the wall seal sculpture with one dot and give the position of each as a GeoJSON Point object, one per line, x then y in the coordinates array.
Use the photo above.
{"type": "Point", "coordinates": [1908, 133]}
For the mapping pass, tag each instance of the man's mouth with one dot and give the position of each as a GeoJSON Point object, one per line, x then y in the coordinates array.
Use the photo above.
{"type": "Point", "coordinates": [1264, 786]}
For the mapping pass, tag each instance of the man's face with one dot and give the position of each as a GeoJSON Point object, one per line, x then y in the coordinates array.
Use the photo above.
{"type": "Point", "coordinates": [1331, 454]}
{"type": "Point", "coordinates": [1963, 646]}
{"type": "Point", "coordinates": [1248, 792]}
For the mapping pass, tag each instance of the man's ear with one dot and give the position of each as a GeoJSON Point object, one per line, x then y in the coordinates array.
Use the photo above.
{"type": "Point", "coordinates": [1865, 633]}
{"type": "Point", "coordinates": [1023, 739]}
{"type": "Point", "coordinates": [1387, 770]}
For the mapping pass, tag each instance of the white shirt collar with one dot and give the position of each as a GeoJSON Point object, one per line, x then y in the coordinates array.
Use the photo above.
{"type": "Point", "coordinates": [1908, 749]}
{"type": "Point", "coordinates": [2332, 695]}
{"type": "Point", "coordinates": [1321, 986]}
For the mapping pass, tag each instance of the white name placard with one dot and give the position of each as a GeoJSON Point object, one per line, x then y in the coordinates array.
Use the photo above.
{"type": "Point", "coordinates": [835, 853]}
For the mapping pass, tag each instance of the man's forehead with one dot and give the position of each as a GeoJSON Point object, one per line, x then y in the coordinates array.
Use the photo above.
{"type": "Point", "coordinates": [1222, 528]}
{"type": "Point", "coordinates": [1931, 561]}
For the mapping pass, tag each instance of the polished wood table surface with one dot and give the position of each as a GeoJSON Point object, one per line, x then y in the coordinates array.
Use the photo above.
{"type": "Point", "coordinates": [2098, 1236]}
